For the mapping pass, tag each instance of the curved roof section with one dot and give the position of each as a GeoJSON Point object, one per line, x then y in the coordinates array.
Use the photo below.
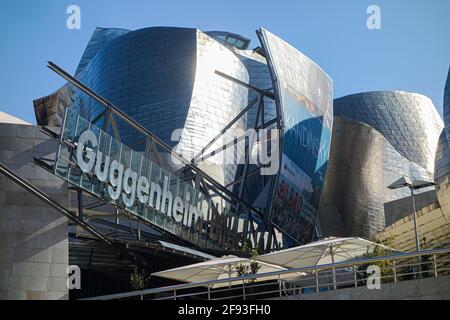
{"type": "Point", "coordinates": [409, 121]}
{"type": "Point", "coordinates": [100, 37]}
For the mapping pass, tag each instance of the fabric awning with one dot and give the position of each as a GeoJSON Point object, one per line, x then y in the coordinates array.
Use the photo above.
{"type": "Point", "coordinates": [215, 269]}
{"type": "Point", "coordinates": [327, 251]}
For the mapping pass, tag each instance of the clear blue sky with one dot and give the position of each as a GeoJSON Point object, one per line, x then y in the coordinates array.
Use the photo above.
{"type": "Point", "coordinates": [410, 53]}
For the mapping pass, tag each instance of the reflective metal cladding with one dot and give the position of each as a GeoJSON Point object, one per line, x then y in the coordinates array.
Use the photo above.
{"type": "Point", "coordinates": [166, 79]}
{"type": "Point", "coordinates": [377, 138]}
{"type": "Point", "coordinates": [442, 172]}
{"type": "Point", "coordinates": [409, 121]}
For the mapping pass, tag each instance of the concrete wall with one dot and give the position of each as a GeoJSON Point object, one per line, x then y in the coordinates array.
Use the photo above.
{"type": "Point", "coordinates": [33, 237]}
{"type": "Point", "coordinates": [423, 289]}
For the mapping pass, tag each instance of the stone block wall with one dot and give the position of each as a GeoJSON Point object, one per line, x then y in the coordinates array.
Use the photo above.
{"type": "Point", "coordinates": [33, 237]}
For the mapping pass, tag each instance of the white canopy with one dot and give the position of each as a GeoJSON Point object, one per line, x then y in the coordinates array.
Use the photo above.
{"type": "Point", "coordinates": [330, 250]}
{"type": "Point", "coordinates": [215, 269]}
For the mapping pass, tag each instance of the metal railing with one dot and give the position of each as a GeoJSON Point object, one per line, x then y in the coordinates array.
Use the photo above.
{"type": "Point", "coordinates": [393, 268]}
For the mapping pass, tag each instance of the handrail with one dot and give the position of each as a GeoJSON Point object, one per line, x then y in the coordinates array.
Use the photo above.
{"type": "Point", "coordinates": [211, 283]}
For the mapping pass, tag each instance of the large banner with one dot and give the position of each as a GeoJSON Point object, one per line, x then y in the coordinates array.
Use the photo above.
{"type": "Point", "coordinates": [94, 161]}
{"type": "Point", "coordinates": [304, 98]}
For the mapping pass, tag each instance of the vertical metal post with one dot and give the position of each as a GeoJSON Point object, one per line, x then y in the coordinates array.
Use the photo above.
{"type": "Point", "coordinates": [355, 278]}
{"type": "Point", "coordinates": [395, 270]}
{"type": "Point", "coordinates": [80, 203]}
{"type": "Point", "coordinates": [333, 269]}
{"type": "Point", "coordinates": [107, 119]}
{"type": "Point", "coordinates": [317, 280]}
{"type": "Point", "coordinates": [416, 231]}
{"type": "Point", "coordinates": [263, 121]}
{"type": "Point", "coordinates": [334, 278]}
{"type": "Point", "coordinates": [248, 145]}
{"type": "Point", "coordinates": [243, 289]}
{"type": "Point", "coordinates": [279, 285]}
{"type": "Point", "coordinates": [435, 265]}
{"type": "Point", "coordinates": [209, 293]}
{"type": "Point", "coordinates": [138, 230]}
{"type": "Point", "coordinates": [174, 294]}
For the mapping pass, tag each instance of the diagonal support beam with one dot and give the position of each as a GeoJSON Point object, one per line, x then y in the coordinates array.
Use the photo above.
{"type": "Point", "coordinates": [49, 201]}
{"type": "Point", "coordinates": [266, 93]}
{"type": "Point", "coordinates": [224, 130]}
{"type": "Point", "coordinates": [145, 131]}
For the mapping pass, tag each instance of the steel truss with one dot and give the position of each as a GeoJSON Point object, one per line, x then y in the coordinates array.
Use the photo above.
{"type": "Point", "coordinates": [190, 170]}
{"type": "Point", "coordinates": [152, 142]}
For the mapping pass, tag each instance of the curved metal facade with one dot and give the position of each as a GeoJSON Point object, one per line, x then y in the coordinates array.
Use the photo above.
{"type": "Point", "coordinates": [443, 150]}
{"type": "Point", "coordinates": [99, 39]}
{"type": "Point", "coordinates": [362, 165]}
{"type": "Point", "coordinates": [409, 121]}
{"type": "Point", "coordinates": [215, 102]}
{"type": "Point", "coordinates": [377, 138]}
{"type": "Point", "coordinates": [165, 78]}
{"type": "Point", "coordinates": [148, 73]}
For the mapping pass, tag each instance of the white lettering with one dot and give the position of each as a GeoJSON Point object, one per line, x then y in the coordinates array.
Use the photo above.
{"type": "Point", "coordinates": [129, 186]}
{"type": "Point", "coordinates": [115, 178]}
{"type": "Point", "coordinates": [85, 154]}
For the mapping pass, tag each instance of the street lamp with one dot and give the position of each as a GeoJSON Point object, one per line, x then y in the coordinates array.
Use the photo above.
{"type": "Point", "coordinates": [412, 184]}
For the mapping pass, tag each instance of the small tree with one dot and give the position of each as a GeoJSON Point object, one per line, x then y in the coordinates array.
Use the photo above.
{"type": "Point", "coordinates": [138, 280]}
{"type": "Point", "coordinates": [385, 266]}
{"type": "Point", "coordinates": [250, 269]}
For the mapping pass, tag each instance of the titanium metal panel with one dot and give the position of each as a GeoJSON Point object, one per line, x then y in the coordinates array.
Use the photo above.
{"type": "Point", "coordinates": [149, 73]}
{"type": "Point", "coordinates": [409, 121]}
{"type": "Point", "coordinates": [49, 110]}
{"type": "Point", "coordinates": [164, 78]}
{"type": "Point", "coordinates": [446, 109]}
{"type": "Point", "coordinates": [215, 101]}
{"type": "Point", "coordinates": [304, 98]}
{"type": "Point", "coordinates": [100, 37]}
{"type": "Point", "coordinates": [362, 165]}
{"type": "Point", "coordinates": [442, 161]}
{"type": "Point", "coordinates": [392, 134]}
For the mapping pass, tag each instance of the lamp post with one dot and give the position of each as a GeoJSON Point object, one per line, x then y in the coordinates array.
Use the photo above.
{"type": "Point", "coordinates": [412, 184]}
{"type": "Point", "coordinates": [416, 229]}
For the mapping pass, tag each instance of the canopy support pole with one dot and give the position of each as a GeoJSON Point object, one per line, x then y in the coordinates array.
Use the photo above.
{"type": "Point", "coordinates": [333, 269]}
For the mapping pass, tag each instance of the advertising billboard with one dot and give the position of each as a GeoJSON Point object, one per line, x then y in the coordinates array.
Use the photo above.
{"type": "Point", "coordinates": [304, 99]}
